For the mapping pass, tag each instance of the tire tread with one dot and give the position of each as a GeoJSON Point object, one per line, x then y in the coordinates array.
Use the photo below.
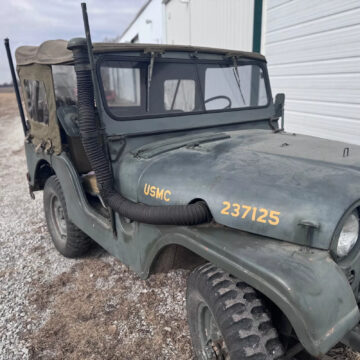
{"type": "Point", "coordinates": [77, 242]}
{"type": "Point", "coordinates": [239, 311]}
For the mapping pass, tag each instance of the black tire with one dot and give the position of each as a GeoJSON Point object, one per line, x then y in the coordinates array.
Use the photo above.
{"type": "Point", "coordinates": [244, 327]}
{"type": "Point", "coordinates": [68, 239]}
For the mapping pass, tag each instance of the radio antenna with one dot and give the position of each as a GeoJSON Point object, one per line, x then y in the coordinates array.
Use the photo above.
{"type": "Point", "coordinates": [15, 84]}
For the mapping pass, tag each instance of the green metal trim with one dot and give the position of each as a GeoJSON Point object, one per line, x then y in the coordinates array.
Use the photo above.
{"type": "Point", "coordinates": [258, 8]}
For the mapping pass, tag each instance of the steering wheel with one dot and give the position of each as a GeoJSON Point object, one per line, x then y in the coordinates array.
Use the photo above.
{"type": "Point", "coordinates": [228, 106]}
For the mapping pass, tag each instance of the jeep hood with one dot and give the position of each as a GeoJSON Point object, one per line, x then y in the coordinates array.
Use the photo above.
{"type": "Point", "coordinates": [294, 188]}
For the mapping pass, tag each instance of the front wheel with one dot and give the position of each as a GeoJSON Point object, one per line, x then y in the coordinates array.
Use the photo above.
{"type": "Point", "coordinates": [227, 318]}
{"type": "Point", "coordinates": [68, 239]}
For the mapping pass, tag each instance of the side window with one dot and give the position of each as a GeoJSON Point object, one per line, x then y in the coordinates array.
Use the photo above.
{"type": "Point", "coordinates": [124, 87]}
{"type": "Point", "coordinates": [36, 101]}
{"type": "Point", "coordinates": [179, 95]}
{"type": "Point", "coordinates": [65, 85]}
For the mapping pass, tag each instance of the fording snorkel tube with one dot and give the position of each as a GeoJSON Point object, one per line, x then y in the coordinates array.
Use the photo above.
{"type": "Point", "coordinates": [191, 214]}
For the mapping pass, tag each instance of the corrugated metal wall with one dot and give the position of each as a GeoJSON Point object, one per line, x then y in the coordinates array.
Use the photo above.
{"type": "Point", "coordinates": [215, 23]}
{"type": "Point", "coordinates": [313, 50]}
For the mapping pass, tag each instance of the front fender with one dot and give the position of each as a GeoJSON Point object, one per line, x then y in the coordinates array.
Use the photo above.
{"type": "Point", "coordinates": [306, 284]}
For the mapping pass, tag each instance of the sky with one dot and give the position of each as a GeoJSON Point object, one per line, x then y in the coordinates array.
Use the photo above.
{"type": "Point", "coordinates": [30, 22]}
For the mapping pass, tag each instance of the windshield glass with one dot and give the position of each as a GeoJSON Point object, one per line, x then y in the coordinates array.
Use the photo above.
{"type": "Point", "coordinates": [181, 87]}
{"type": "Point", "coordinates": [233, 88]}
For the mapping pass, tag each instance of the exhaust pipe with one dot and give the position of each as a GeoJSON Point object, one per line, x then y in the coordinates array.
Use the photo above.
{"type": "Point", "coordinates": [191, 214]}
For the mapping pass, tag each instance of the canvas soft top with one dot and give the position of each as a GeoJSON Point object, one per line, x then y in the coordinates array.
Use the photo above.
{"type": "Point", "coordinates": [53, 52]}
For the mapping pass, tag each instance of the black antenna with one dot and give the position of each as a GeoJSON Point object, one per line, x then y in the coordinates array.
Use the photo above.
{"type": "Point", "coordinates": [15, 84]}
{"type": "Point", "coordinates": [90, 51]}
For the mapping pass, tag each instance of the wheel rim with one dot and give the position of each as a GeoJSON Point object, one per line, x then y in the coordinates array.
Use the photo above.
{"type": "Point", "coordinates": [212, 342]}
{"type": "Point", "coordinates": [58, 217]}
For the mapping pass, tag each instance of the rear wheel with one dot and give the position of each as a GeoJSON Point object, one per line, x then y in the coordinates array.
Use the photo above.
{"type": "Point", "coordinates": [228, 319]}
{"type": "Point", "coordinates": [68, 239]}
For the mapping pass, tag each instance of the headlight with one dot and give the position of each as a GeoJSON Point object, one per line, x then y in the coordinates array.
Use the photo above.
{"type": "Point", "coordinates": [349, 235]}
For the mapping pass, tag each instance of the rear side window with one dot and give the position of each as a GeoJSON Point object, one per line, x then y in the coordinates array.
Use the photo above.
{"type": "Point", "coordinates": [36, 101]}
{"type": "Point", "coordinates": [65, 84]}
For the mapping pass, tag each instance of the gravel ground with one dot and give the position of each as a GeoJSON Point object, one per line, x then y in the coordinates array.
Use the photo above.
{"type": "Point", "coordinates": [94, 308]}
{"type": "Point", "coordinates": [56, 308]}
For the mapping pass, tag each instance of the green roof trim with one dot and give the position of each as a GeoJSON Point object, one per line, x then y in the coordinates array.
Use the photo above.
{"type": "Point", "coordinates": [258, 9]}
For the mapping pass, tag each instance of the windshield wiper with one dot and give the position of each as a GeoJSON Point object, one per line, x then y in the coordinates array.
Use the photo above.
{"type": "Point", "coordinates": [150, 72]}
{"type": "Point", "coordinates": [237, 77]}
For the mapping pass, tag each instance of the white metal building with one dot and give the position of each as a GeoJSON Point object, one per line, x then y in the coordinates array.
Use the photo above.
{"type": "Point", "coordinates": [313, 51]}
{"type": "Point", "coordinates": [217, 23]}
{"type": "Point", "coordinates": [312, 47]}
{"type": "Point", "coordinates": [147, 26]}
{"type": "Point", "coordinates": [226, 24]}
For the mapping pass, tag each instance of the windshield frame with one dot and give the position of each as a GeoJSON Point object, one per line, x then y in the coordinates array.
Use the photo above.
{"type": "Point", "coordinates": [194, 60]}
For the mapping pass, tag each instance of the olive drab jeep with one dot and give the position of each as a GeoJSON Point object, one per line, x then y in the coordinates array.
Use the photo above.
{"type": "Point", "coordinates": [176, 156]}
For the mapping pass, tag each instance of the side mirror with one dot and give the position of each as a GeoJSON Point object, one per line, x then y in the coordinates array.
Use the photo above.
{"type": "Point", "coordinates": [279, 108]}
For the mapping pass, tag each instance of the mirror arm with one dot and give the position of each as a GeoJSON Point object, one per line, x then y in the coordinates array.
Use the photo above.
{"type": "Point", "coordinates": [278, 113]}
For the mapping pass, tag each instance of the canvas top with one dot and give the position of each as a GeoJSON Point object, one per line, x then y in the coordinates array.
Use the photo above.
{"type": "Point", "coordinates": [53, 52]}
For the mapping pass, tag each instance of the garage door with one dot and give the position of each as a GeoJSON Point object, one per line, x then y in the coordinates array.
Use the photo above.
{"type": "Point", "coordinates": [313, 50]}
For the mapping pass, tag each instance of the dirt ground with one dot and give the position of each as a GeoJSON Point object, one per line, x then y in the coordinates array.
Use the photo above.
{"type": "Point", "coordinates": [92, 308]}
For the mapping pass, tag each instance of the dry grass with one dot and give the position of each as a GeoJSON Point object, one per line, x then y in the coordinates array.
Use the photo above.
{"type": "Point", "coordinates": [104, 311]}
{"type": "Point", "coordinates": [8, 105]}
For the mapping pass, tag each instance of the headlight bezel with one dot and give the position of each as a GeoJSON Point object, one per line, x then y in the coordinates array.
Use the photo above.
{"type": "Point", "coordinates": [356, 248]}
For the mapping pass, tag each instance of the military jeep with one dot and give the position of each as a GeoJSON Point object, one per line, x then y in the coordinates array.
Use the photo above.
{"type": "Point", "coordinates": [176, 156]}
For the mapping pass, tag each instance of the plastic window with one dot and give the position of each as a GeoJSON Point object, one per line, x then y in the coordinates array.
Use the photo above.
{"type": "Point", "coordinates": [36, 100]}
{"type": "Point", "coordinates": [65, 85]}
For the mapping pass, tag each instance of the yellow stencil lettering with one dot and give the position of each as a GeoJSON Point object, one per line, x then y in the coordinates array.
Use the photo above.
{"type": "Point", "coordinates": [247, 210]}
{"type": "Point", "coordinates": [225, 210]}
{"type": "Point", "coordinates": [166, 194]}
{"type": "Point", "coordinates": [236, 210]}
{"type": "Point", "coordinates": [253, 217]}
{"type": "Point", "coordinates": [262, 217]}
{"type": "Point", "coordinates": [146, 189]}
{"type": "Point", "coordinates": [159, 193]}
{"type": "Point", "coordinates": [274, 216]}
